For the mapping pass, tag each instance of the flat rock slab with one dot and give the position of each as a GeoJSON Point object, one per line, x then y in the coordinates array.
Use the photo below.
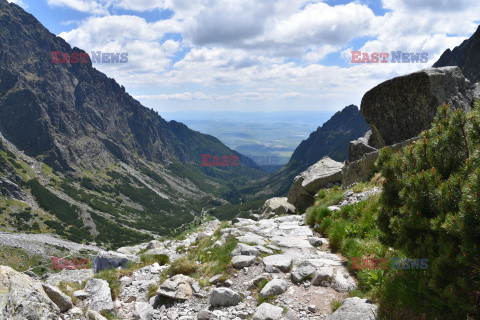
{"type": "Point", "coordinates": [252, 238]}
{"type": "Point", "coordinates": [277, 262]}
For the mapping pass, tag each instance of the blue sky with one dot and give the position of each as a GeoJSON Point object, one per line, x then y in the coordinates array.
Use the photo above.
{"type": "Point", "coordinates": [249, 55]}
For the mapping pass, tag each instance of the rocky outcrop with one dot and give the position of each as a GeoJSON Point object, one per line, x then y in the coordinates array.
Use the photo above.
{"type": "Point", "coordinates": [355, 309]}
{"type": "Point", "coordinates": [22, 298]}
{"type": "Point", "coordinates": [466, 56]}
{"type": "Point", "coordinates": [325, 173]}
{"type": "Point", "coordinates": [359, 147]}
{"type": "Point", "coordinates": [400, 108]}
{"type": "Point", "coordinates": [276, 206]}
{"type": "Point", "coordinates": [364, 168]}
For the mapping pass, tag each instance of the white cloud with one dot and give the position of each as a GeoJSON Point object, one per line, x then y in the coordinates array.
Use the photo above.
{"type": "Point", "coordinates": [92, 6]}
{"type": "Point", "coordinates": [19, 2]}
{"type": "Point", "coordinates": [272, 53]}
{"type": "Point", "coordinates": [141, 5]}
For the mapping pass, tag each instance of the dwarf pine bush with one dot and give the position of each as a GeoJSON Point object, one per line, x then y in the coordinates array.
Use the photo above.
{"type": "Point", "coordinates": [430, 208]}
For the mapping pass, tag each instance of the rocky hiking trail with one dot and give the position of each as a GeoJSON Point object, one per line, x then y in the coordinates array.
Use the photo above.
{"type": "Point", "coordinates": [280, 269]}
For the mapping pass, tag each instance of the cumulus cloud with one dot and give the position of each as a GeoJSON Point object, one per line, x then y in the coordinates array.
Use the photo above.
{"type": "Point", "coordinates": [271, 52]}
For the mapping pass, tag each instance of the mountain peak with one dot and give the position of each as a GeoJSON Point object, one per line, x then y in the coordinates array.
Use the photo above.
{"type": "Point", "coordinates": [466, 56]}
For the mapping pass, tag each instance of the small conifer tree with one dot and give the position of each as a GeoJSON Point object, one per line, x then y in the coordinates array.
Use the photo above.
{"type": "Point", "coordinates": [431, 207]}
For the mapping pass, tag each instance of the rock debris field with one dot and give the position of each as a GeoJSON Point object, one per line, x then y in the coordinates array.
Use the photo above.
{"type": "Point", "coordinates": [301, 278]}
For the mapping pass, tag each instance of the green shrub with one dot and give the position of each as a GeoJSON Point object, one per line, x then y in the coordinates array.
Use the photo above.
{"type": "Point", "coordinates": [431, 209]}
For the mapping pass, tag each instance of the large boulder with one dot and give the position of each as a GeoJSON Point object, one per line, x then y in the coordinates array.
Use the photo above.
{"type": "Point", "coordinates": [282, 262]}
{"type": "Point", "coordinates": [178, 287]}
{"type": "Point", "coordinates": [23, 298]}
{"type": "Point", "coordinates": [324, 173]}
{"type": "Point", "coordinates": [355, 309]}
{"type": "Point", "coordinates": [224, 297]}
{"type": "Point", "coordinates": [100, 295]}
{"type": "Point", "coordinates": [276, 206]}
{"type": "Point", "coordinates": [402, 107]}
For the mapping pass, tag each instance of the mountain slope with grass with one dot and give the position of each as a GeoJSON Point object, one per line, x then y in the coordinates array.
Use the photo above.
{"type": "Point", "coordinates": [88, 160]}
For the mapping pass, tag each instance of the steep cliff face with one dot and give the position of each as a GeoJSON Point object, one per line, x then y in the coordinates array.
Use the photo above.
{"type": "Point", "coordinates": [466, 56]}
{"type": "Point", "coordinates": [332, 138]}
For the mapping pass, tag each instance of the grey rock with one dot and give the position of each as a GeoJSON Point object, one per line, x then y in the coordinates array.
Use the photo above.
{"type": "Point", "coordinates": [100, 295]}
{"type": "Point", "coordinates": [177, 287]}
{"type": "Point", "coordinates": [243, 261]}
{"type": "Point", "coordinates": [70, 275]}
{"type": "Point", "coordinates": [23, 298]}
{"type": "Point", "coordinates": [267, 311]}
{"type": "Point", "coordinates": [290, 315]}
{"type": "Point", "coordinates": [92, 314]}
{"type": "Point", "coordinates": [312, 308]}
{"type": "Point", "coordinates": [282, 262]}
{"type": "Point", "coordinates": [303, 271]}
{"type": "Point", "coordinates": [196, 287]}
{"type": "Point", "coordinates": [206, 315]}
{"type": "Point", "coordinates": [81, 294]}
{"type": "Point", "coordinates": [62, 301]}
{"type": "Point", "coordinates": [322, 174]}
{"type": "Point", "coordinates": [343, 282]}
{"type": "Point", "coordinates": [315, 241]}
{"type": "Point", "coordinates": [252, 238]}
{"type": "Point", "coordinates": [355, 309]}
{"type": "Point", "coordinates": [364, 169]}
{"type": "Point", "coordinates": [245, 250]}
{"type": "Point", "coordinates": [323, 277]}
{"type": "Point", "coordinates": [276, 206]}
{"type": "Point", "coordinates": [359, 147]}
{"type": "Point", "coordinates": [215, 279]}
{"type": "Point", "coordinates": [274, 288]}
{"type": "Point", "coordinates": [143, 311]}
{"type": "Point", "coordinates": [224, 297]}
{"type": "Point", "coordinates": [402, 107]}
{"type": "Point", "coordinates": [125, 281]}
